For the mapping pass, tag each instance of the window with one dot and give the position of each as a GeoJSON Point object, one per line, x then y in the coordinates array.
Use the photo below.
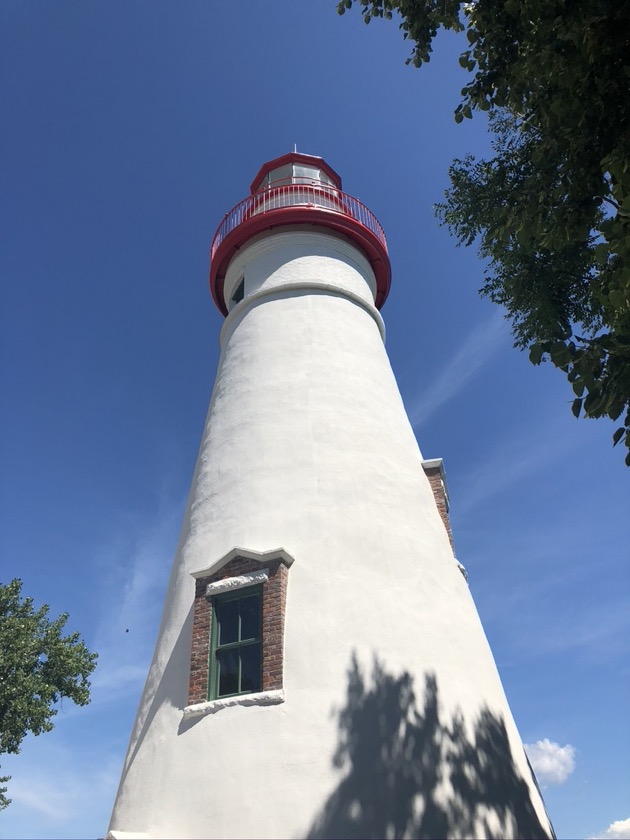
{"type": "Point", "coordinates": [239, 293]}
{"type": "Point", "coordinates": [237, 645]}
{"type": "Point", "coordinates": [236, 659]}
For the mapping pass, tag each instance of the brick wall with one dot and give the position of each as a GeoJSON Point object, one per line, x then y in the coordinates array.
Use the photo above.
{"type": "Point", "coordinates": [274, 595]}
{"type": "Point", "coordinates": [434, 474]}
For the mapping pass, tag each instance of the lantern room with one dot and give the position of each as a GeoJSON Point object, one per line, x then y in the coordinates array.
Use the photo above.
{"type": "Point", "coordinates": [298, 190]}
{"type": "Point", "coordinates": [295, 168]}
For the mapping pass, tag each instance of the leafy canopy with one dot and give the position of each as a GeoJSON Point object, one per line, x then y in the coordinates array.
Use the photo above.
{"type": "Point", "coordinates": [38, 667]}
{"type": "Point", "coordinates": [550, 212]}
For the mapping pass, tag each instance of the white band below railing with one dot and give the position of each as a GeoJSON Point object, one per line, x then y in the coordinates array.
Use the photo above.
{"type": "Point", "coordinates": [303, 286]}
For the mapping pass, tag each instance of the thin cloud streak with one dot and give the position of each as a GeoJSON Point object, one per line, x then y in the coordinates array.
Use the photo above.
{"type": "Point", "coordinates": [139, 562]}
{"type": "Point", "coordinates": [478, 347]}
{"type": "Point", "coordinates": [516, 458]}
{"type": "Point", "coordinates": [135, 568]}
{"type": "Point", "coordinates": [598, 633]}
{"type": "Point", "coordinates": [61, 796]}
{"type": "Point", "coordinates": [58, 788]}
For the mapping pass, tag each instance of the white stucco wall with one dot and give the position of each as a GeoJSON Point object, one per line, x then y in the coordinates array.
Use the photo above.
{"type": "Point", "coordinates": [306, 446]}
{"type": "Point", "coordinates": [301, 256]}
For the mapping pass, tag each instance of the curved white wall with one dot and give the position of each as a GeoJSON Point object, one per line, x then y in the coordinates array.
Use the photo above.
{"type": "Point", "coordinates": [307, 446]}
{"type": "Point", "coordinates": [300, 256]}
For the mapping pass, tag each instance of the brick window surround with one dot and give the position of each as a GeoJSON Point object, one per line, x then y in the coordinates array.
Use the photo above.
{"type": "Point", "coordinates": [274, 594]}
{"type": "Point", "coordinates": [434, 471]}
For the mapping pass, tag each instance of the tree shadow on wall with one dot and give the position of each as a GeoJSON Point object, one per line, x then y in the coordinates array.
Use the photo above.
{"type": "Point", "coordinates": [409, 774]}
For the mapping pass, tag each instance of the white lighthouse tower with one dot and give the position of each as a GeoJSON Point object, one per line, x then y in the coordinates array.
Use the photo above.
{"type": "Point", "coordinates": [320, 669]}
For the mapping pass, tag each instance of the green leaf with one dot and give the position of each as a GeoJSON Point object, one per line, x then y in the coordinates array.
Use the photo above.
{"type": "Point", "coordinates": [578, 387]}
{"type": "Point", "coordinates": [560, 354]}
{"type": "Point", "coordinates": [618, 435]}
{"type": "Point", "coordinates": [594, 403]}
{"type": "Point", "coordinates": [618, 298]}
{"type": "Point", "coordinates": [576, 407]}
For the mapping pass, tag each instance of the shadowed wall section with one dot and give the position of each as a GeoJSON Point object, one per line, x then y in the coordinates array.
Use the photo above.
{"type": "Point", "coordinates": [411, 774]}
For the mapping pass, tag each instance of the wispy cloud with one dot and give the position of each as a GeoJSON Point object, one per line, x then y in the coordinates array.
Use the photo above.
{"type": "Point", "coordinates": [617, 830]}
{"type": "Point", "coordinates": [599, 631]}
{"type": "Point", "coordinates": [522, 454]}
{"type": "Point", "coordinates": [60, 796]}
{"type": "Point", "coordinates": [63, 784]}
{"type": "Point", "coordinates": [138, 563]}
{"type": "Point", "coordinates": [561, 607]}
{"type": "Point", "coordinates": [61, 787]}
{"type": "Point", "coordinates": [476, 349]}
{"type": "Point", "coordinates": [552, 763]}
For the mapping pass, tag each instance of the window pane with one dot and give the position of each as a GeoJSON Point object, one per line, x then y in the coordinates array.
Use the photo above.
{"type": "Point", "coordinates": [227, 615]}
{"type": "Point", "coordinates": [227, 661]}
{"type": "Point", "coordinates": [250, 668]}
{"type": "Point", "coordinates": [239, 293]}
{"type": "Point", "coordinates": [250, 617]}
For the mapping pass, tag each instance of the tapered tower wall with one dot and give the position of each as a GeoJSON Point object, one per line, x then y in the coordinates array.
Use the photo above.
{"type": "Point", "coordinates": [307, 447]}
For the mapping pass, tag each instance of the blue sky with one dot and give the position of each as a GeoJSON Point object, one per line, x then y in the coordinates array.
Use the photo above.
{"type": "Point", "coordinates": [129, 128]}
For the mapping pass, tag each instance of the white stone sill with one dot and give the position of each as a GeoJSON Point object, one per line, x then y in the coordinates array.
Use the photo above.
{"type": "Point", "coordinates": [260, 698]}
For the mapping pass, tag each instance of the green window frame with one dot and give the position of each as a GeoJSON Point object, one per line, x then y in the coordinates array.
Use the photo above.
{"type": "Point", "coordinates": [236, 643]}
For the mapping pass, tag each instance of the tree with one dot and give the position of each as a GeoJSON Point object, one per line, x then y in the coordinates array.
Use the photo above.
{"type": "Point", "coordinates": [38, 667]}
{"type": "Point", "coordinates": [550, 212]}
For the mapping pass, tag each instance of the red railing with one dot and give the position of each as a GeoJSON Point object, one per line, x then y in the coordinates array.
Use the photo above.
{"type": "Point", "coordinates": [317, 195]}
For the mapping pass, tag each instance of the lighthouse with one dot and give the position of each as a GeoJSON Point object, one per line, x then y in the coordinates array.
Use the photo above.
{"type": "Point", "coordinates": [320, 668]}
